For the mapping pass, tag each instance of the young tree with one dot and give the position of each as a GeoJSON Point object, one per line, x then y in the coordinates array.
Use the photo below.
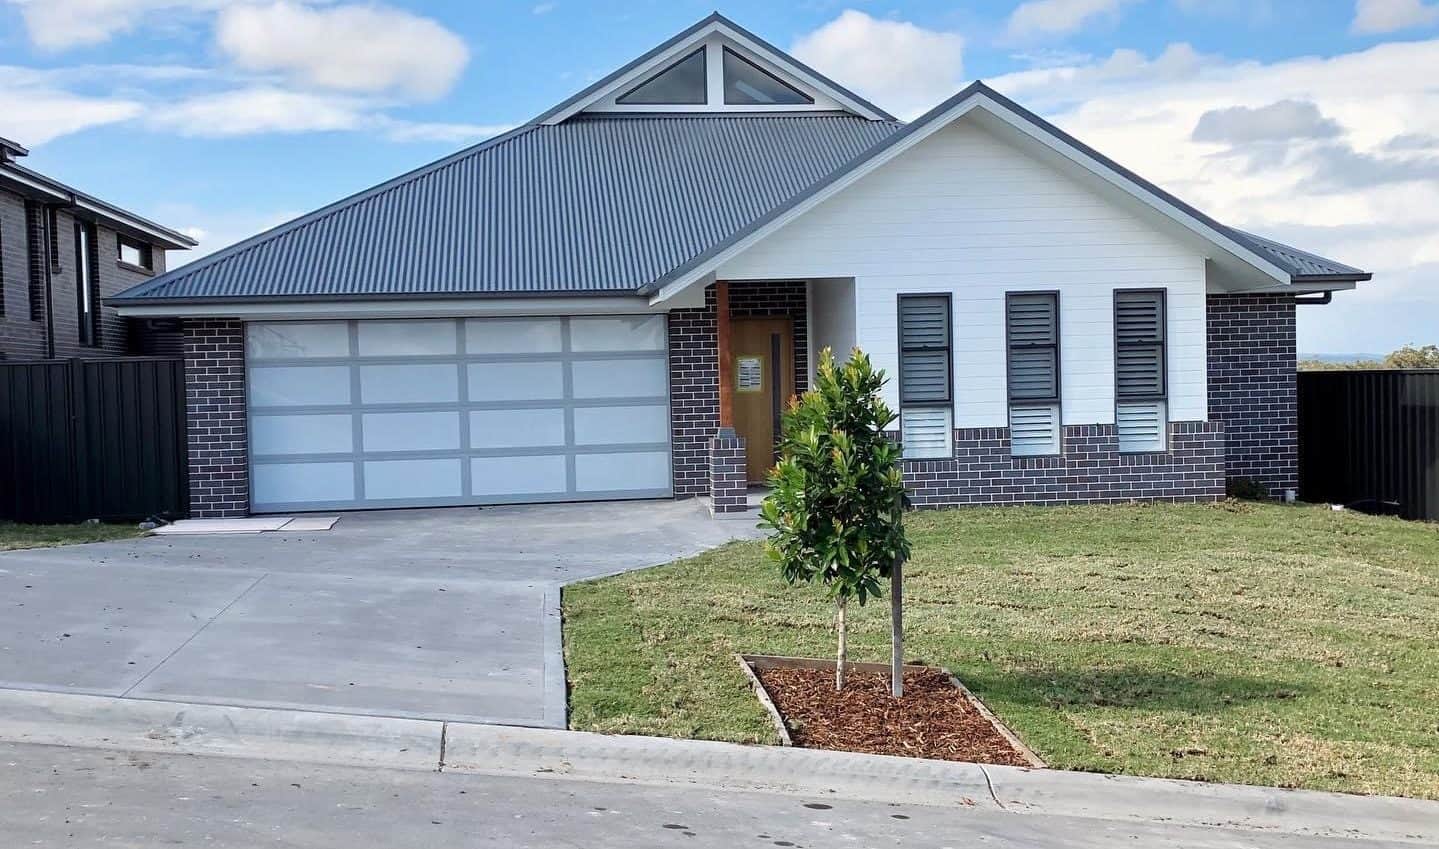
{"type": "Point", "coordinates": [836, 512]}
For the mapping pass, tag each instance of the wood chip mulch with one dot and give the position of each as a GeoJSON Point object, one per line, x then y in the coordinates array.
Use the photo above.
{"type": "Point", "coordinates": [932, 720]}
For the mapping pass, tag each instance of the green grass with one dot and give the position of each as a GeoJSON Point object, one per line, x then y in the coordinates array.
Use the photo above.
{"type": "Point", "coordinates": [1261, 644]}
{"type": "Point", "coordinates": [13, 535]}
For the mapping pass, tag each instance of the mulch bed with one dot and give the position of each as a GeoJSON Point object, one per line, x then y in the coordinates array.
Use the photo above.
{"type": "Point", "coordinates": [932, 720]}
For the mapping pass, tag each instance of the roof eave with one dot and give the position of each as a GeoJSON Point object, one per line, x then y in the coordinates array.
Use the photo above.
{"type": "Point", "coordinates": [57, 192]}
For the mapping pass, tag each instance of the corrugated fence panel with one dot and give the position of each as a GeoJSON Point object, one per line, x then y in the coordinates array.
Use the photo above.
{"type": "Point", "coordinates": [83, 439]}
{"type": "Point", "coordinates": [1370, 439]}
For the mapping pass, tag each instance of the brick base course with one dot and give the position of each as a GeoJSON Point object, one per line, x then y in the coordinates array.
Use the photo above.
{"type": "Point", "coordinates": [215, 410]}
{"type": "Point", "coordinates": [1090, 470]}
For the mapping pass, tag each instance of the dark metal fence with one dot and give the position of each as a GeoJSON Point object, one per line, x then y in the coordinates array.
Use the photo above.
{"type": "Point", "coordinates": [1370, 439]}
{"type": "Point", "coordinates": [82, 439]}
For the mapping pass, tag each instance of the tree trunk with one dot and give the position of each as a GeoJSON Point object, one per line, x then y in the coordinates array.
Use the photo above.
{"type": "Point", "coordinates": [896, 629]}
{"type": "Point", "coordinates": [843, 643]}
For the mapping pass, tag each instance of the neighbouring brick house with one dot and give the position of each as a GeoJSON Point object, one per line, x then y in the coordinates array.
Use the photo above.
{"type": "Point", "coordinates": [616, 299]}
{"type": "Point", "coordinates": [61, 253]}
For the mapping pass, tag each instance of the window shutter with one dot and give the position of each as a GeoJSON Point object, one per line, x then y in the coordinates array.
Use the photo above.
{"type": "Point", "coordinates": [1139, 344]}
{"type": "Point", "coordinates": [1034, 430]}
{"type": "Point", "coordinates": [1033, 327]}
{"type": "Point", "coordinates": [1140, 426]}
{"type": "Point", "coordinates": [925, 432]}
{"type": "Point", "coordinates": [924, 334]}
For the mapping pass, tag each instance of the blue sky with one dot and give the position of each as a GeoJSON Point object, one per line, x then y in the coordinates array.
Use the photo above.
{"type": "Point", "coordinates": [225, 117]}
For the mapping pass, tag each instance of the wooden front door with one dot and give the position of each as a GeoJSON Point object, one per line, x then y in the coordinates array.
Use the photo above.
{"type": "Point", "coordinates": [762, 368]}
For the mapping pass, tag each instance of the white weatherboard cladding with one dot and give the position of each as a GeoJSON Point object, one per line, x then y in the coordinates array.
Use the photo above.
{"type": "Point", "coordinates": [392, 413]}
{"type": "Point", "coordinates": [966, 213]}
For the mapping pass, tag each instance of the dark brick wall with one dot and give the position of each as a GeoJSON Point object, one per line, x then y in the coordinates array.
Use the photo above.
{"type": "Point", "coordinates": [215, 413]}
{"type": "Point", "coordinates": [23, 337]}
{"type": "Point", "coordinates": [1090, 469]}
{"type": "Point", "coordinates": [1251, 348]}
{"type": "Point", "coordinates": [694, 371]}
{"type": "Point", "coordinates": [729, 484]}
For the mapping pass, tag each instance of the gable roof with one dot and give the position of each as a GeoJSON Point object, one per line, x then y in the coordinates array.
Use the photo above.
{"type": "Point", "coordinates": [1284, 263]}
{"type": "Point", "coordinates": [600, 204]}
{"type": "Point", "coordinates": [626, 203]}
{"type": "Point", "coordinates": [680, 44]}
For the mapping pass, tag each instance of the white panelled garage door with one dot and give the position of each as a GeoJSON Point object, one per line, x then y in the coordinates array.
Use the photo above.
{"type": "Point", "coordinates": [429, 412]}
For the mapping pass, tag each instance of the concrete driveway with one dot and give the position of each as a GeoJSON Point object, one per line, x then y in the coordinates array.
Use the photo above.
{"type": "Point", "coordinates": [441, 614]}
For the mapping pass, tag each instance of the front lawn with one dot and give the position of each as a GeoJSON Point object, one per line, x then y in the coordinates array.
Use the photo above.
{"type": "Point", "coordinates": [13, 535]}
{"type": "Point", "coordinates": [1262, 644]}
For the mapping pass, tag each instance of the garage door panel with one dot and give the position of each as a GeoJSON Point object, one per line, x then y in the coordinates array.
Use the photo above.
{"type": "Point", "coordinates": [298, 483]}
{"type": "Point", "coordinates": [302, 434]}
{"type": "Point", "coordinates": [539, 428]}
{"type": "Point", "coordinates": [299, 386]}
{"type": "Point", "coordinates": [514, 335]}
{"type": "Point", "coordinates": [429, 383]}
{"type": "Point", "coordinates": [290, 340]}
{"type": "Point", "coordinates": [510, 381]}
{"type": "Point", "coordinates": [412, 412]}
{"type": "Point", "coordinates": [528, 475]}
{"type": "Point", "coordinates": [412, 479]}
{"type": "Point", "coordinates": [411, 431]}
{"type": "Point", "coordinates": [640, 378]}
{"type": "Point", "coordinates": [646, 471]}
{"type": "Point", "coordinates": [622, 425]}
{"type": "Point", "coordinates": [407, 338]}
{"type": "Point", "coordinates": [618, 333]}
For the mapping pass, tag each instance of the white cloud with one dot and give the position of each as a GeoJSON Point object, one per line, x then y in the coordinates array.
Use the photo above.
{"type": "Point", "coordinates": [61, 24]}
{"type": "Point", "coordinates": [429, 131]}
{"type": "Point", "coordinates": [371, 49]}
{"type": "Point", "coordinates": [1039, 18]}
{"type": "Point", "coordinates": [1375, 16]}
{"type": "Point", "coordinates": [903, 68]}
{"type": "Point", "coordinates": [1359, 184]}
{"type": "Point", "coordinates": [37, 110]}
{"type": "Point", "coordinates": [542, 8]}
{"type": "Point", "coordinates": [259, 110]}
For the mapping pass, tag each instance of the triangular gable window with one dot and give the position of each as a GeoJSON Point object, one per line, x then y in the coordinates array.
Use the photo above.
{"type": "Point", "coordinates": [745, 83]}
{"type": "Point", "coordinates": [681, 84]}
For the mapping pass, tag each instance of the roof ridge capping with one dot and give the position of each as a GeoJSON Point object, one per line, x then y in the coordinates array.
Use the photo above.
{"type": "Point", "coordinates": [1255, 250]}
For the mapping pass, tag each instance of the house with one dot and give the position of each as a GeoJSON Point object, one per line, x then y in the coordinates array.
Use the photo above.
{"type": "Point", "coordinates": [61, 253]}
{"type": "Point", "coordinates": [615, 299]}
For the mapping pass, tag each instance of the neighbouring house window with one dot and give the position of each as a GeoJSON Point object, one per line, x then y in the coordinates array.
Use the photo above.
{"type": "Point", "coordinates": [1140, 387]}
{"type": "Point", "coordinates": [926, 402]}
{"type": "Point", "coordinates": [135, 253]}
{"type": "Point", "coordinates": [681, 84]}
{"type": "Point", "coordinates": [746, 84]}
{"type": "Point", "coordinates": [1032, 372]}
{"type": "Point", "coordinates": [2, 271]}
{"type": "Point", "coordinates": [85, 290]}
{"type": "Point", "coordinates": [53, 227]}
{"type": "Point", "coordinates": [35, 242]}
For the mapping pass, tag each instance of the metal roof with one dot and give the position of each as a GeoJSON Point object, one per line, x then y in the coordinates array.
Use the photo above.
{"type": "Point", "coordinates": [1302, 265]}
{"type": "Point", "coordinates": [598, 204]}
{"type": "Point", "coordinates": [32, 183]}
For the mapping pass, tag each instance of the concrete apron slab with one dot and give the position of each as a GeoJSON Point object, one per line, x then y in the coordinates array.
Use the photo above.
{"type": "Point", "coordinates": [141, 725]}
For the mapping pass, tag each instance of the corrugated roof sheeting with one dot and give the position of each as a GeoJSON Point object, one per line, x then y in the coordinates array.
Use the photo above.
{"type": "Point", "coordinates": [593, 204]}
{"type": "Point", "coordinates": [1297, 262]}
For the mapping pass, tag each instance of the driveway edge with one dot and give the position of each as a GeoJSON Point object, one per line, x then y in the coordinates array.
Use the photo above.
{"type": "Point", "coordinates": [104, 722]}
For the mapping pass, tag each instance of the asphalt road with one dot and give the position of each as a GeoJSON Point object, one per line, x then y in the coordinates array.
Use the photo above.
{"type": "Point", "coordinates": [59, 796]}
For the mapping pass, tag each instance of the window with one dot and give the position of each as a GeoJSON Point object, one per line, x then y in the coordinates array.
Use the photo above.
{"type": "Point", "coordinates": [681, 84]}
{"type": "Point", "coordinates": [745, 83]}
{"type": "Point", "coordinates": [35, 240]}
{"type": "Point", "coordinates": [53, 227]}
{"type": "Point", "coordinates": [1139, 369]}
{"type": "Point", "coordinates": [85, 290]}
{"type": "Point", "coordinates": [1032, 371]}
{"type": "Point", "coordinates": [135, 253]}
{"type": "Point", "coordinates": [925, 385]}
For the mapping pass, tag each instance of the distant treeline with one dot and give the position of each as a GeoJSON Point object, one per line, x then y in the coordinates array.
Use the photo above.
{"type": "Point", "coordinates": [1409, 356]}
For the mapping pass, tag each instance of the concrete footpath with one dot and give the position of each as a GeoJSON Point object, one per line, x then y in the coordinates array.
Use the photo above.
{"type": "Point", "coordinates": [35, 720]}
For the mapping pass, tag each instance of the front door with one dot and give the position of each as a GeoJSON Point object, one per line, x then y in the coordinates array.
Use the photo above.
{"type": "Point", "coordinates": [763, 375]}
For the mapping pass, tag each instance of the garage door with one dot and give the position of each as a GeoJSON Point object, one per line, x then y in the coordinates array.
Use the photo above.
{"type": "Point", "coordinates": [407, 413]}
